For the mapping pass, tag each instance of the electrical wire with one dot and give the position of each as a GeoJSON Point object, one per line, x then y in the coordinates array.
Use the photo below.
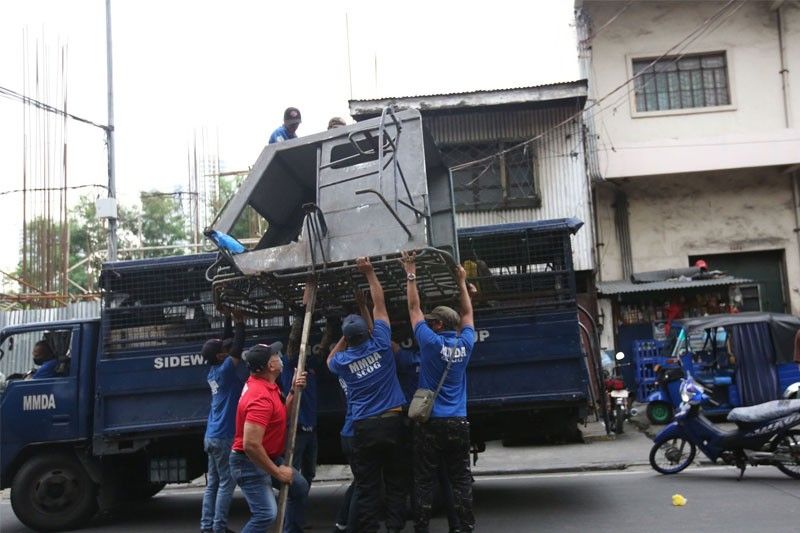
{"type": "Point", "coordinates": [699, 29]}
{"type": "Point", "coordinates": [13, 95]}
{"type": "Point", "coordinates": [48, 189]}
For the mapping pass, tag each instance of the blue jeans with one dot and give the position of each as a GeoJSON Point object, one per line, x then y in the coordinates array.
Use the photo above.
{"type": "Point", "coordinates": [257, 486]}
{"type": "Point", "coordinates": [219, 485]}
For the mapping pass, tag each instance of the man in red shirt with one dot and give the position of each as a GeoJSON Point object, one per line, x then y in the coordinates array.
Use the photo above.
{"type": "Point", "coordinates": [256, 460]}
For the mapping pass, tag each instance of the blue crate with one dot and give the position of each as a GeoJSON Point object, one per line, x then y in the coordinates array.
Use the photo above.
{"type": "Point", "coordinates": [644, 390]}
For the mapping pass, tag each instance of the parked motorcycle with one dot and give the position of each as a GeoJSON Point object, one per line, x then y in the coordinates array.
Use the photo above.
{"type": "Point", "coordinates": [618, 396]}
{"type": "Point", "coordinates": [766, 434]}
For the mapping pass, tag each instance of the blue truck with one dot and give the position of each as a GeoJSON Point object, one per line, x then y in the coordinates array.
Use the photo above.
{"type": "Point", "coordinates": [126, 412]}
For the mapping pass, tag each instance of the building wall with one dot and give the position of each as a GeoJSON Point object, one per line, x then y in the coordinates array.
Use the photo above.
{"type": "Point", "coordinates": [561, 172]}
{"type": "Point", "coordinates": [751, 133]}
{"type": "Point", "coordinates": [674, 217]}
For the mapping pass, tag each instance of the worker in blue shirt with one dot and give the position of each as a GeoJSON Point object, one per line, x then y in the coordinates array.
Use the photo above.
{"type": "Point", "coordinates": [226, 378]}
{"type": "Point", "coordinates": [45, 359]}
{"type": "Point", "coordinates": [444, 339]}
{"type": "Point", "coordinates": [288, 130]}
{"type": "Point", "coordinates": [367, 366]}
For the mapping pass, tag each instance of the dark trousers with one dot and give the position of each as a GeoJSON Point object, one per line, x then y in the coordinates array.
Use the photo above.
{"type": "Point", "coordinates": [305, 454]}
{"type": "Point", "coordinates": [442, 442]}
{"type": "Point", "coordinates": [378, 460]}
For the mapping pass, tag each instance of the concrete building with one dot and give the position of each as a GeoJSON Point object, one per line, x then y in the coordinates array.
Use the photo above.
{"type": "Point", "coordinates": [542, 180]}
{"type": "Point", "coordinates": [698, 154]}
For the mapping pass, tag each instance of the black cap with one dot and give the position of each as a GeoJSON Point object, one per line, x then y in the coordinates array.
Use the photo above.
{"type": "Point", "coordinates": [291, 116]}
{"type": "Point", "coordinates": [210, 350]}
{"type": "Point", "coordinates": [258, 356]}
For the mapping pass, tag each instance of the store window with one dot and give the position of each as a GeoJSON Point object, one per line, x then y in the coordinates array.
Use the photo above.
{"type": "Point", "coordinates": [685, 82]}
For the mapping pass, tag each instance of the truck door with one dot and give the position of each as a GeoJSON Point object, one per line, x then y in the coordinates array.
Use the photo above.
{"type": "Point", "coordinates": [41, 409]}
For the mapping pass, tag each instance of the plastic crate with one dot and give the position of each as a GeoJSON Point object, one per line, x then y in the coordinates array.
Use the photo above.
{"type": "Point", "coordinates": [644, 390]}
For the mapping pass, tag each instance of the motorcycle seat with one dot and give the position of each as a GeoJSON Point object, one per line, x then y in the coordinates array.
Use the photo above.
{"type": "Point", "coordinates": [764, 411]}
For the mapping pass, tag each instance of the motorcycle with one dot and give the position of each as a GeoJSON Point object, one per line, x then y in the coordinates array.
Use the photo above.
{"type": "Point", "coordinates": [618, 396]}
{"type": "Point", "coordinates": [766, 434]}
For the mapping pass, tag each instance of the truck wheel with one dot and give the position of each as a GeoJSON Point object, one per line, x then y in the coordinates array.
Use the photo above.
{"type": "Point", "coordinates": [659, 412]}
{"type": "Point", "coordinates": [53, 492]}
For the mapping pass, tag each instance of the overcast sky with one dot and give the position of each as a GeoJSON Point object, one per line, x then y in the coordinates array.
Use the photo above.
{"type": "Point", "coordinates": [230, 68]}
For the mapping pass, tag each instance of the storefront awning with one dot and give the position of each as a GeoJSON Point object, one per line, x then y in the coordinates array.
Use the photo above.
{"type": "Point", "coordinates": [627, 287]}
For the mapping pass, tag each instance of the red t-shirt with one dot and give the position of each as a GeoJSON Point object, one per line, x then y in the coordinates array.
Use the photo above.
{"type": "Point", "coordinates": [261, 404]}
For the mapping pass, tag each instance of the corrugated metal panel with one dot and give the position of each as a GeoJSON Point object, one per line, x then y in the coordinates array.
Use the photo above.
{"type": "Point", "coordinates": [561, 173]}
{"type": "Point", "coordinates": [478, 91]}
{"type": "Point", "coordinates": [625, 287]}
{"type": "Point", "coordinates": [19, 359]}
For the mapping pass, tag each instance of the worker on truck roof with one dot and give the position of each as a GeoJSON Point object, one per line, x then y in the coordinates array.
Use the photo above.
{"type": "Point", "coordinates": [288, 130]}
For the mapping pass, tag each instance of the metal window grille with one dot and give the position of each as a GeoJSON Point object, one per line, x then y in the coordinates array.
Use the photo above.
{"type": "Point", "coordinates": [508, 180]}
{"type": "Point", "coordinates": [699, 80]}
{"type": "Point", "coordinates": [521, 268]}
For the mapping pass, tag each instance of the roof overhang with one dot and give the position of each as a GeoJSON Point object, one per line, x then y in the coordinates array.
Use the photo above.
{"type": "Point", "coordinates": [609, 288]}
{"type": "Point", "coordinates": [552, 94]}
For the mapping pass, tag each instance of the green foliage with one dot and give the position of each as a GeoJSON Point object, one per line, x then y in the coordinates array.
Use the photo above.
{"type": "Point", "coordinates": [250, 224]}
{"type": "Point", "coordinates": [162, 223]}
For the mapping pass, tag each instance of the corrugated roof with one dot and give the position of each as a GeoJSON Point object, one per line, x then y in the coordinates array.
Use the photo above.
{"type": "Point", "coordinates": [477, 91]}
{"type": "Point", "coordinates": [480, 98]}
{"type": "Point", "coordinates": [626, 287]}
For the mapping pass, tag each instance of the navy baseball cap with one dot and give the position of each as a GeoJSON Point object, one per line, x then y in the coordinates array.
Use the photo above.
{"type": "Point", "coordinates": [291, 116]}
{"type": "Point", "coordinates": [354, 326]}
{"type": "Point", "coordinates": [258, 356]}
{"type": "Point", "coordinates": [210, 350]}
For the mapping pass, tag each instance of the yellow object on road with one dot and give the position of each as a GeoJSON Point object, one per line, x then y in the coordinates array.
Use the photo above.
{"type": "Point", "coordinates": [678, 500]}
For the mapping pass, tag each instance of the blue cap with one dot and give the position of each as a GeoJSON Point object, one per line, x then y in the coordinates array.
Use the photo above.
{"type": "Point", "coordinates": [354, 326]}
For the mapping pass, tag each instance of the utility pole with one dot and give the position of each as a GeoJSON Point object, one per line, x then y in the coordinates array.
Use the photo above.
{"type": "Point", "coordinates": [112, 185]}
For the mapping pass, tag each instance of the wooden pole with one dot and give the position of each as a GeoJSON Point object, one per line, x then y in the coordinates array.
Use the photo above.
{"type": "Point", "coordinates": [298, 396]}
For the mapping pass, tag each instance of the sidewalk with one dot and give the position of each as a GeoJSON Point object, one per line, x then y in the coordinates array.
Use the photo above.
{"type": "Point", "coordinates": [598, 452]}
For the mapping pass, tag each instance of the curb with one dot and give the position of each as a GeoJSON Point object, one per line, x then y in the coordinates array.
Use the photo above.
{"type": "Point", "coordinates": [556, 470]}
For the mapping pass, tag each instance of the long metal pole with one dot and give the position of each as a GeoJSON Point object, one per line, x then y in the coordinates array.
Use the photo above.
{"type": "Point", "coordinates": [112, 184]}
{"type": "Point", "coordinates": [298, 396]}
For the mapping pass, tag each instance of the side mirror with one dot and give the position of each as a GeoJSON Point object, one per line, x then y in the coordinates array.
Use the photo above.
{"type": "Point", "coordinates": [619, 356]}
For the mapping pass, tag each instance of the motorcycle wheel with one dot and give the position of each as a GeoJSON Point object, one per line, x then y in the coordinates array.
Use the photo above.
{"type": "Point", "coordinates": [784, 444]}
{"type": "Point", "coordinates": [659, 413]}
{"type": "Point", "coordinates": [619, 420]}
{"type": "Point", "coordinates": [671, 456]}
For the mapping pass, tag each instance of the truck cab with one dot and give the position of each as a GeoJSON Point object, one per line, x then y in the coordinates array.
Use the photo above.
{"type": "Point", "coordinates": [45, 419]}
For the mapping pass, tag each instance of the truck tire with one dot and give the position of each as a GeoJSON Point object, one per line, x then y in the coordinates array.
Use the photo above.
{"type": "Point", "coordinates": [53, 492]}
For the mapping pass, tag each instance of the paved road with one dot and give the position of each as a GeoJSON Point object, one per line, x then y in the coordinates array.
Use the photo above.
{"type": "Point", "coordinates": [625, 501]}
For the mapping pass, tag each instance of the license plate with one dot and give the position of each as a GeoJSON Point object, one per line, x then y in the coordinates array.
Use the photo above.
{"type": "Point", "coordinates": [619, 394]}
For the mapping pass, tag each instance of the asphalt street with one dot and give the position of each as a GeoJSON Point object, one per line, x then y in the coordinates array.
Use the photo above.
{"type": "Point", "coordinates": [632, 500]}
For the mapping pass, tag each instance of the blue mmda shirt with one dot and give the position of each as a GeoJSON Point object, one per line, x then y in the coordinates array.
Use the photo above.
{"type": "Point", "coordinates": [370, 374]}
{"type": "Point", "coordinates": [226, 381]}
{"type": "Point", "coordinates": [47, 370]}
{"type": "Point", "coordinates": [307, 418]}
{"type": "Point", "coordinates": [436, 349]}
{"type": "Point", "coordinates": [281, 134]}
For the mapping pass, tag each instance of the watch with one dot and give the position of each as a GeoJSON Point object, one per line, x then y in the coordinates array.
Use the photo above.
{"type": "Point", "coordinates": [411, 277]}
